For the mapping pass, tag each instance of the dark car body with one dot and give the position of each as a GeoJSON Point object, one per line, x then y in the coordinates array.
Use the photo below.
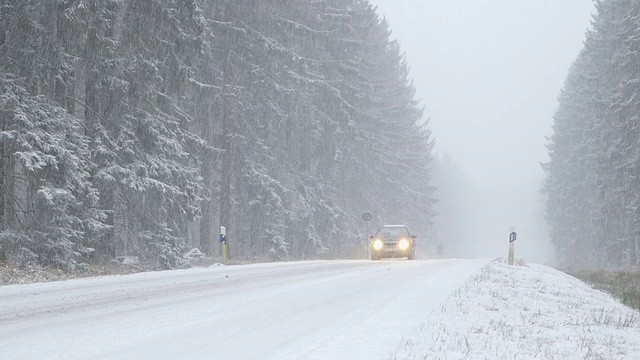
{"type": "Point", "coordinates": [392, 241]}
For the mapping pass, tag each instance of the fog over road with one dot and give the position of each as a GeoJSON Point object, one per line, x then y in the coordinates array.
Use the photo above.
{"type": "Point", "coordinates": [320, 309]}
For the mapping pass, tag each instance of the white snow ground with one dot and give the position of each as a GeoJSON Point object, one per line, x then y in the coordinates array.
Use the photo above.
{"type": "Point", "coordinates": [451, 308]}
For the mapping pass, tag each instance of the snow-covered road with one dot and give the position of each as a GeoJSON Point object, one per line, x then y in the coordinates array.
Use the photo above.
{"type": "Point", "coordinates": [298, 310]}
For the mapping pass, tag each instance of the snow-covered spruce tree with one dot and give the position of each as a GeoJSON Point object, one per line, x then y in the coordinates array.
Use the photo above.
{"type": "Point", "coordinates": [337, 146]}
{"type": "Point", "coordinates": [571, 186]}
{"type": "Point", "coordinates": [100, 88]}
{"type": "Point", "coordinates": [259, 107]}
{"type": "Point", "coordinates": [148, 174]}
{"type": "Point", "coordinates": [374, 154]}
{"type": "Point", "coordinates": [49, 207]}
{"type": "Point", "coordinates": [603, 137]}
{"type": "Point", "coordinates": [407, 168]}
{"type": "Point", "coordinates": [623, 72]}
{"type": "Point", "coordinates": [592, 176]}
{"type": "Point", "coordinates": [215, 90]}
{"type": "Point", "coordinates": [300, 191]}
{"type": "Point", "coordinates": [386, 149]}
{"type": "Point", "coordinates": [286, 100]}
{"type": "Point", "coordinates": [118, 69]}
{"type": "Point", "coordinates": [50, 212]}
{"type": "Point", "coordinates": [205, 89]}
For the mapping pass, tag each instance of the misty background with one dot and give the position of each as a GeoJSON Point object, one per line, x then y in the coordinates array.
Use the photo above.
{"type": "Point", "coordinates": [488, 74]}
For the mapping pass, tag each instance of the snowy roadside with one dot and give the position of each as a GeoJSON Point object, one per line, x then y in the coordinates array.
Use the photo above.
{"type": "Point", "coordinates": [10, 275]}
{"type": "Point", "coordinates": [525, 311]}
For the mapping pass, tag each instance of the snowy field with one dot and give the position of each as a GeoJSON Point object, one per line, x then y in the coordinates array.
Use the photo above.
{"type": "Point", "coordinates": [396, 309]}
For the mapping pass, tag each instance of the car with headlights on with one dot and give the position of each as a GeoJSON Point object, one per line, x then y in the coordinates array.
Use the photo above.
{"type": "Point", "coordinates": [392, 241]}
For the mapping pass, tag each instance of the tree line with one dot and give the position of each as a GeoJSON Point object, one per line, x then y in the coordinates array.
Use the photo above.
{"type": "Point", "coordinates": [593, 183]}
{"type": "Point", "coordinates": [138, 127]}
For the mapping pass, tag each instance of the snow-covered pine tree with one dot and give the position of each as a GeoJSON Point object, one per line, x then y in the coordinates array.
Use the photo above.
{"type": "Point", "coordinates": [151, 173]}
{"type": "Point", "coordinates": [623, 75]}
{"type": "Point", "coordinates": [389, 143]}
{"type": "Point", "coordinates": [49, 207]}
{"type": "Point", "coordinates": [570, 187]}
{"type": "Point", "coordinates": [593, 171]}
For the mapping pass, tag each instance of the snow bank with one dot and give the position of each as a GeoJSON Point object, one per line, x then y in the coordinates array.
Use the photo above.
{"type": "Point", "coordinates": [525, 311]}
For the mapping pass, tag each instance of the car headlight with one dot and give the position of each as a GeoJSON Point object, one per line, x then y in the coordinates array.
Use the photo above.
{"type": "Point", "coordinates": [403, 244]}
{"type": "Point", "coordinates": [378, 244]}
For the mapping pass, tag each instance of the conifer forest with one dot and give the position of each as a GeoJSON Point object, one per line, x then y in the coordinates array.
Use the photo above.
{"type": "Point", "coordinates": [137, 128]}
{"type": "Point", "coordinates": [593, 176]}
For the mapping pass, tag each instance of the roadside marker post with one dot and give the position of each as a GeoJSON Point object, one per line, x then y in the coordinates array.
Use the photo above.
{"type": "Point", "coordinates": [223, 242]}
{"type": "Point", "coordinates": [366, 217]}
{"type": "Point", "coordinates": [512, 240]}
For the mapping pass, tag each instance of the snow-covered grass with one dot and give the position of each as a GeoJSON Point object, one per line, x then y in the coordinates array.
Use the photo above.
{"type": "Point", "coordinates": [13, 274]}
{"type": "Point", "coordinates": [522, 312]}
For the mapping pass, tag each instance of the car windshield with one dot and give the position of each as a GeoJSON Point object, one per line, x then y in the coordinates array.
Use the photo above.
{"type": "Point", "coordinates": [393, 231]}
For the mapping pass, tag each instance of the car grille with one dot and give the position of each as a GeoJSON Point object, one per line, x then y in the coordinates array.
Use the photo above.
{"type": "Point", "coordinates": [391, 246]}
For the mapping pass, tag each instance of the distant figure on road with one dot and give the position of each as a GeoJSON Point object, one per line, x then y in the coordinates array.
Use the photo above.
{"type": "Point", "coordinates": [440, 249]}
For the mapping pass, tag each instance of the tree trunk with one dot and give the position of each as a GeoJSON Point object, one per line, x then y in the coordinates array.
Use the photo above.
{"type": "Point", "coordinates": [226, 170]}
{"type": "Point", "coordinates": [9, 177]}
{"type": "Point", "coordinates": [633, 250]}
{"type": "Point", "coordinates": [60, 78]}
{"type": "Point", "coordinates": [4, 173]}
{"type": "Point", "coordinates": [206, 205]}
{"type": "Point", "coordinates": [90, 96]}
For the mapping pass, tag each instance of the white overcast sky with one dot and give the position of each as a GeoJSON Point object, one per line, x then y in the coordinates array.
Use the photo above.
{"type": "Point", "coordinates": [489, 73]}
